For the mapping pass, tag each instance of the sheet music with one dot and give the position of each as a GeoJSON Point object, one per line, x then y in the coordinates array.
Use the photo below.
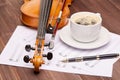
{"type": "Point", "coordinates": [14, 52]}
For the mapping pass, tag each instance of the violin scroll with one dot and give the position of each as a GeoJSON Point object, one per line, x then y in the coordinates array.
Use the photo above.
{"type": "Point", "coordinates": [37, 60]}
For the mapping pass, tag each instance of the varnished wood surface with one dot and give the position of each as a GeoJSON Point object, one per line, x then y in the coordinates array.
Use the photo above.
{"type": "Point", "coordinates": [10, 18]}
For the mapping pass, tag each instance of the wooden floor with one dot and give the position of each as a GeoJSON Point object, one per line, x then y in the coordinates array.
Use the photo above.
{"type": "Point", "coordinates": [10, 18]}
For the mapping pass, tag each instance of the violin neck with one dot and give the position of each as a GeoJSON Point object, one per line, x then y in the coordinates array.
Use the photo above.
{"type": "Point", "coordinates": [45, 7]}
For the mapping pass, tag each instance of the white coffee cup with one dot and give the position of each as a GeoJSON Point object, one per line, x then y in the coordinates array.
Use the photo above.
{"type": "Point", "coordinates": [83, 32]}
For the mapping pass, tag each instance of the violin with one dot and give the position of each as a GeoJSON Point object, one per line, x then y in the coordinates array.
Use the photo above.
{"type": "Point", "coordinates": [30, 13]}
{"type": "Point", "coordinates": [52, 14]}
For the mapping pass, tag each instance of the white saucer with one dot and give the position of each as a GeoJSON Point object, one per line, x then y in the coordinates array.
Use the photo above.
{"type": "Point", "coordinates": [103, 39]}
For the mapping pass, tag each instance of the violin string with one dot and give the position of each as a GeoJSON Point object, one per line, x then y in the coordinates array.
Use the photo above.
{"type": "Point", "coordinates": [40, 18]}
{"type": "Point", "coordinates": [47, 12]}
{"type": "Point", "coordinates": [44, 18]}
{"type": "Point", "coordinates": [42, 22]}
{"type": "Point", "coordinates": [41, 27]}
{"type": "Point", "coordinates": [44, 14]}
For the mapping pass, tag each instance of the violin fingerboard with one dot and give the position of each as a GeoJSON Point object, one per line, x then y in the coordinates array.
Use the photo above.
{"type": "Point", "coordinates": [45, 7]}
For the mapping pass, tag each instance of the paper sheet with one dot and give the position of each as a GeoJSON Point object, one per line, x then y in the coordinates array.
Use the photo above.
{"type": "Point", "coordinates": [14, 52]}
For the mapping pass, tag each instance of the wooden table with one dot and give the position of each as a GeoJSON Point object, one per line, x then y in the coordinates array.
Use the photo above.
{"type": "Point", "coordinates": [10, 18]}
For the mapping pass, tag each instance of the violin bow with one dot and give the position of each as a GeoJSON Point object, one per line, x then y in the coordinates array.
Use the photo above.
{"type": "Point", "coordinates": [58, 20]}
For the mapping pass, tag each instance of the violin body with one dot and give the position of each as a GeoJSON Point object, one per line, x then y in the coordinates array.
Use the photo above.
{"type": "Point", "coordinates": [30, 13]}
{"type": "Point", "coordinates": [31, 10]}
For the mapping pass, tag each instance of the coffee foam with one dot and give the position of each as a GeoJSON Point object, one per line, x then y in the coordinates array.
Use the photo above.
{"type": "Point", "coordinates": [86, 18]}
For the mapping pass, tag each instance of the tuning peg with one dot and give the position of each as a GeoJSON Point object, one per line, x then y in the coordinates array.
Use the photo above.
{"type": "Point", "coordinates": [50, 45]}
{"type": "Point", "coordinates": [26, 58]}
{"type": "Point", "coordinates": [28, 48]}
{"type": "Point", "coordinates": [49, 55]}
